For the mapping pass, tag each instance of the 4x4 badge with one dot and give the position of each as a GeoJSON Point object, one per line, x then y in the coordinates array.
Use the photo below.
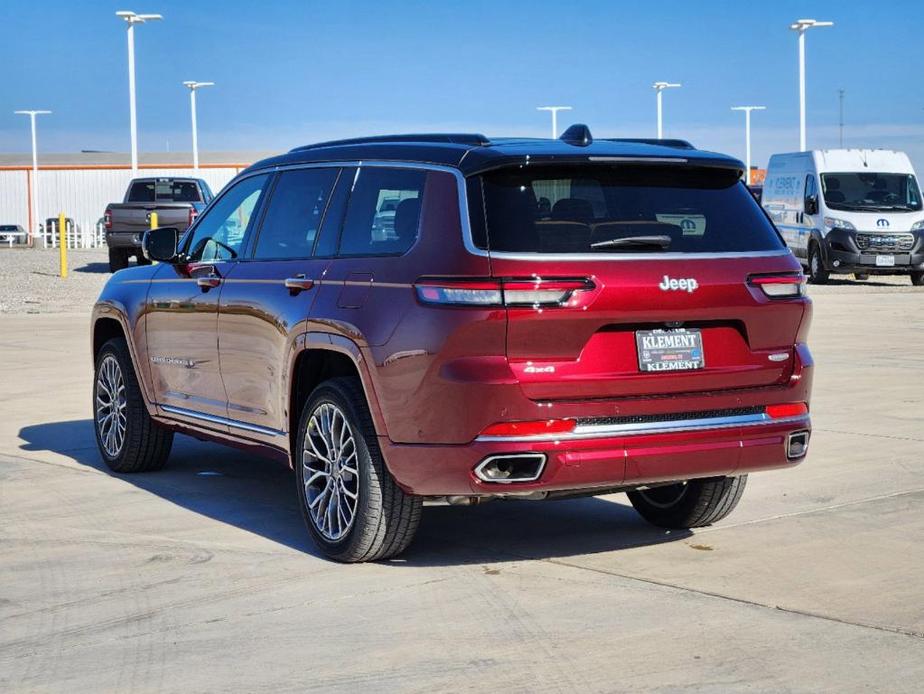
{"type": "Point", "coordinates": [687, 284]}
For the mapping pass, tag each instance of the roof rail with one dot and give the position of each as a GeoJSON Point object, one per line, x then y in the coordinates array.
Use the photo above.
{"type": "Point", "coordinates": [677, 144]}
{"type": "Point", "coordinates": [474, 139]}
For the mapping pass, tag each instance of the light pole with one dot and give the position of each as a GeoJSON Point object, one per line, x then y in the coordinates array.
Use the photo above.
{"type": "Point", "coordinates": [747, 136]}
{"type": "Point", "coordinates": [554, 110]}
{"type": "Point", "coordinates": [840, 94]}
{"type": "Point", "coordinates": [131, 19]}
{"type": "Point", "coordinates": [660, 87]}
{"type": "Point", "coordinates": [801, 26]}
{"type": "Point", "coordinates": [193, 86]}
{"type": "Point", "coordinates": [33, 212]}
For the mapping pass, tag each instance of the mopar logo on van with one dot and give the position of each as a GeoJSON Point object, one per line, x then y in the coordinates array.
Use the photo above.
{"type": "Point", "coordinates": [687, 284]}
{"type": "Point", "coordinates": [882, 222]}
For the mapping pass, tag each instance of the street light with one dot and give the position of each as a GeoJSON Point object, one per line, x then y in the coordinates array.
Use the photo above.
{"type": "Point", "coordinates": [554, 110]}
{"type": "Point", "coordinates": [33, 211]}
{"type": "Point", "coordinates": [803, 25]}
{"type": "Point", "coordinates": [747, 135]}
{"type": "Point", "coordinates": [131, 19]}
{"type": "Point", "coordinates": [193, 86]}
{"type": "Point", "coordinates": [660, 87]}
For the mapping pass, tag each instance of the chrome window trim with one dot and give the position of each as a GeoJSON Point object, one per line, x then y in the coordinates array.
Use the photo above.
{"type": "Point", "coordinates": [593, 431]}
{"type": "Point", "coordinates": [469, 243]}
{"type": "Point", "coordinates": [215, 419]}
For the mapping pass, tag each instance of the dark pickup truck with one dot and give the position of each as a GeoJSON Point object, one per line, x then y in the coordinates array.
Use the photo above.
{"type": "Point", "coordinates": [176, 201]}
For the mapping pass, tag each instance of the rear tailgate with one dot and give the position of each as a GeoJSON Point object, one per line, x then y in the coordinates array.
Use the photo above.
{"type": "Point", "coordinates": [136, 216]}
{"type": "Point", "coordinates": [590, 349]}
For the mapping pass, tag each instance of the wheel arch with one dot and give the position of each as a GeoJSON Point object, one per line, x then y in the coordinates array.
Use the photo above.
{"type": "Point", "coordinates": [110, 321]}
{"type": "Point", "coordinates": [322, 357]}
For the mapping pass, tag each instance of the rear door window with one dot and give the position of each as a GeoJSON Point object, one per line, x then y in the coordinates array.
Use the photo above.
{"type": "Point", "coordinates": [383, 214]}
{"type": "Point", "coordinates": [294, 214]}
{"type": "Point", "coordinates": [624, 209]}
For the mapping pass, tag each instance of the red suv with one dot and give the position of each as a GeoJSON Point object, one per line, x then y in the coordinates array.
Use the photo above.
{"type": "Point", "coordinates": [450, 317]}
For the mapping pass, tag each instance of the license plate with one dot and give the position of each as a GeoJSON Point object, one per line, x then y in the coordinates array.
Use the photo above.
{"type": "Point", "coordinates": [670, 350]}
{"type": "Point", "coordinates": [885, 261]}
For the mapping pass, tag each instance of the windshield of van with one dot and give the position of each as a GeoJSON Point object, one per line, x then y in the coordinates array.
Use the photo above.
{"type": "Point", "coordinates": [871, 192]}
{"type": "Point", "coordinates": [622, 209]}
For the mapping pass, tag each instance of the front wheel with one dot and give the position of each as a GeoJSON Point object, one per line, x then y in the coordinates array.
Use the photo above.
{"type": "Point", "coordinates": [353, 508]}
{"type": "Point", "coordinates": [128, 439]}
{"type": "Point", "coordinates": [917, 279]}
{"type": "Point", "coordinates": [690, 504]}
{"type": "Point", "coordinates": [818, 273]}
{"type": "Point", "coordinates": [118, 259]}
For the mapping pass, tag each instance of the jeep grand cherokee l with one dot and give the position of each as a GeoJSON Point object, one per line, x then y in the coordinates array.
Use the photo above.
{"type": "Point", "coordinates": [540, 319]}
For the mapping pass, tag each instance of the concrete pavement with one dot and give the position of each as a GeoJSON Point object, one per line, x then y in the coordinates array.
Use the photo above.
{"type": "Point", "coordinates": [200, 577]}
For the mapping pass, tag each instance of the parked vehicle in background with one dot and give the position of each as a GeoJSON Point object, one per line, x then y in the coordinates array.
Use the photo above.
{"type": "Point", "coordinates": [12, 233]}
{"type": "Point", "coordinates": [848, 211]}
{"type": "Point", "coordinates": [176, 201]}
{"type": "Point", "coordinates": [643, 330]}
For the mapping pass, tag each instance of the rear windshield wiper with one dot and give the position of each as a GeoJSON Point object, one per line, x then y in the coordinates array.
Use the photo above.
{"type": "Point", "coordinates": [658, 241]}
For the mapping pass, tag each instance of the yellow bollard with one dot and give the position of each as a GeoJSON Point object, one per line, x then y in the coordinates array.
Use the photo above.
{"type": "Point", "coordinates": [153, 220]}
{"type": "Point", "coordinates": [62, 243]}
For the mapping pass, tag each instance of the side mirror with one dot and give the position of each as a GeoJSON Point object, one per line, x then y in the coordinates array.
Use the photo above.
{"type": "Point", "coordinates": [811, 204]}
{"type": "Point", "coordinates": [160, 244]}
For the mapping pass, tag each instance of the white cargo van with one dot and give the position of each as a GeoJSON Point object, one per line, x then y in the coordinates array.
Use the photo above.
{"type": "Point", "coordinates": [848, 211]}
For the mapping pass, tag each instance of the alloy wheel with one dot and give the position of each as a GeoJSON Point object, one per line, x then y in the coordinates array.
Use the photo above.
{"type": "Point", "coordinates": [330, 472]}
{"type": "Point", "coordinates": [111, 403]}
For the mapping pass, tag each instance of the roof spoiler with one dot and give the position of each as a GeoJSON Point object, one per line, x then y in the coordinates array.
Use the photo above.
{"type": "Point", "coordinates": [676, 144]}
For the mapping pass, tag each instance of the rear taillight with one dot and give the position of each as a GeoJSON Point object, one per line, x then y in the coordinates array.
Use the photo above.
{"type": "Point", "coordinates": [785, 286]}
{"type": "Point", "coordinates": [107, 218]}
{"type": "Point", "coordinates": [789, 409]}
{"type": "Point", "coordinates": [532, 292]}
{"type": "Point", "coordinates": [193, 213]}
{"type": "Point", "coordinates": [532, 428]}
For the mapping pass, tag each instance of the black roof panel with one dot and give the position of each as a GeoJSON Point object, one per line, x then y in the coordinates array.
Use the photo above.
{"type": "Point", "coordinates": [474, 153]}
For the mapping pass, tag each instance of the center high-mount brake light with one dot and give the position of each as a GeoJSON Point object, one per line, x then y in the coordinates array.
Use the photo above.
{"type": "Point", "coordinates": [532, 428]}
{"type": "Point", "coordinates": [516, 292]}
{"type": "Point", "coordinates": [786, 286]}
{"type": "Point", "coordinates": [790, 409]}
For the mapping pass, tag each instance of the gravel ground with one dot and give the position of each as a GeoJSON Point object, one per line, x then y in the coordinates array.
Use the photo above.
{"type": "Point", "coordinates": [29, 281]}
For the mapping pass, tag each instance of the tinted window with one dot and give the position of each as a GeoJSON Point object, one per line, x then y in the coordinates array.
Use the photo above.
{"type": "Point", "coordinates": [333, 218]}
{"type": "Point", "coordinates": [164, 191]}
{"type": "Point", "coordinates": [219, 235]}
{"type": "Point", "coordinates": [384, 212]}
{"type": "Point", "coordinates": [294, 214]}
{"type": "Point", "coordinates": [627, 209]}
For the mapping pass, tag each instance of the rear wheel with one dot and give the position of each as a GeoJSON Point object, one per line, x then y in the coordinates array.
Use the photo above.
{"type": "Point", "coordinates": [861, 275]}
{"type": "Point", "coordinates": [139, 256]}
{"type": "Point", "coordinates": [128, 439]}
{"type": "Point", "coordinates": [917, 279]}
{"type": "Point", "coordinates": [353, 508]}
{"type": "Point", "coordinates": [818, 274]}
{"type": "Point", "coordinates": [691, 504]}
{"type": "Point", "coordinates": [118, 259]}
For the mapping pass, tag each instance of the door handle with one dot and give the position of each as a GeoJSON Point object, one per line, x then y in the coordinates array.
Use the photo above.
{"type": "Point", "coordinates": [210, 282]}
{"type": "Point", "coordinates": [298, 284]}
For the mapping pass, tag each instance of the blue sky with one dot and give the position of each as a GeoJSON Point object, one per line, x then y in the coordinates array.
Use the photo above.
{"type": "Point", "coordinates": [292, 72]}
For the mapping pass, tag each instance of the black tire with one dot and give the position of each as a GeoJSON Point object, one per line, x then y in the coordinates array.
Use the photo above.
{"type": "Point", "coordinates": [817, 272]}
{"type": "Point", "coordinates": [145, 444]}
{"type": "Point", "coordinates": [118, 259]}
{"type": "Point", "coordinates": [141, 260]}
{"type": "Point", "coordinates": [385, 518]}
{"type": "Point", "coordinates": [861, 276]}
{"type": "Point", "coordinates": [690, 504]}
{"type": "Point", "coordinates": [917, 279]}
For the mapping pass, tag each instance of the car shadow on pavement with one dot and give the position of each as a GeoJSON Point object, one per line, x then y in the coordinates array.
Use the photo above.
{"type": "Point", "coordinates": [257, 496]}
{"type": "Point", "coordinates": [93, 268]}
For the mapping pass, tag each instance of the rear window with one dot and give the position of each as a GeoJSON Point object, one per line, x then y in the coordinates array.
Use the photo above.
{"type": "Point", "coordinates": [626, 209]}
{"type": "Point", "coordinates": [164, 191]}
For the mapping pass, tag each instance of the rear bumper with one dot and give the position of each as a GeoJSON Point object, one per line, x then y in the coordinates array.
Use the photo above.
{"type": "Point", "coordinates": [606, 461]}
{"type": "Point", "coordinates": [124, 239]}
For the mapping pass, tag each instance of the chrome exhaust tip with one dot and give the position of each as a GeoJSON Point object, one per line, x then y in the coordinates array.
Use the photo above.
{"type": "Point", "coordinates": [511, 468]}
{"type": "Point", "coordinates": [797, 445]}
